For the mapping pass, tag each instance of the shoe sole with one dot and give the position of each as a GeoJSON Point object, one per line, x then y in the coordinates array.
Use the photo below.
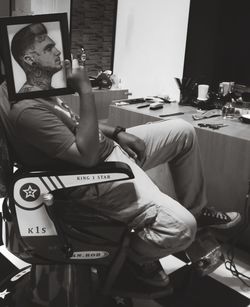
{"type": "Point", "coordinates": [228, 225]}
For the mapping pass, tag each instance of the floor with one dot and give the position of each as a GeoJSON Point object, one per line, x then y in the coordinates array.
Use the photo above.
{"type": "Point", "coordinates": [171, 264]}
{"type": "Point", "coordinates": [222, 275]}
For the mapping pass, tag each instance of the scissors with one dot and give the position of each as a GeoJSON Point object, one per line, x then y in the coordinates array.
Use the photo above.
{"type": "Point", "coordinates": [212, 126]}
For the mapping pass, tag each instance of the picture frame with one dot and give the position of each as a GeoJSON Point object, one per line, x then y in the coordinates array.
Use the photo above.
{"type": "Point", "coordinates": [33, 50]}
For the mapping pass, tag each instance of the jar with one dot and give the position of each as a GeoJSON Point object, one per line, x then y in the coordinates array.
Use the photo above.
{"type": "Point", "coordinates": [228, 110]}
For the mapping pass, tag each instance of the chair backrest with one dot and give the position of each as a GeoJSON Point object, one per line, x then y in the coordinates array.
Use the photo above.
{"type": "Point", "coordinates": [6, 163]}
{"type": "Point", "coordinates": [5, 168]}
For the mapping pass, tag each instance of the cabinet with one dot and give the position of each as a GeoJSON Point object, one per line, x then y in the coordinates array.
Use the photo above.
{"type": "Point", "coordinates": [103, 98]}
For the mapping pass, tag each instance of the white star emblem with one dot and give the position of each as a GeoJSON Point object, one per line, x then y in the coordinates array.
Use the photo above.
{"type": "Point", "coordinates": [4, 293]}
{"type": "Point", "coordinates": [30, 192]}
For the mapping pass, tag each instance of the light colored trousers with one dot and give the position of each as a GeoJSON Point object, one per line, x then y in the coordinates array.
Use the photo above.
{"type": "Point", "coordinates": [162, 224]}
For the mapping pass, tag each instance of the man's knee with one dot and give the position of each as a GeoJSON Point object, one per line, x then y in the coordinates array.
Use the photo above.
{"type": "Point", "coordinates": [184, 235]}
{"type": "Point", "coordinates": [185, 133]}
{"type": "Point", "coordinates": [185, 128]}
{"type": "Point", "coordinates": [165, 239]}
{"type": "Point", "coordinates": [176, 234]}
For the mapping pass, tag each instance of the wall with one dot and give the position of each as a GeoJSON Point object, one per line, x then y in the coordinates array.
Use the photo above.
{"type": "Point", "coordinates": [51, 6]}
{"type": "Point", "coordinates": [27, 7]}
{"type": "Point", "coordinates": [21, 7]}
{"type": "Point", "coordinates": [93, 24]}
{"type": "Point", "coordinates": [150, 45]}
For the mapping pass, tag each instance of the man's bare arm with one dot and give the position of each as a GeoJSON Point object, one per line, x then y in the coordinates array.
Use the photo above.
{"type": "Point", "coordinates": [85, 150]}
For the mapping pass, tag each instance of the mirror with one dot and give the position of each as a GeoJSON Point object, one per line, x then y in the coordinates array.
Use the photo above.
{"type": "Point", "coordinates": [93, 29]}
{"type": "Point", "coordinates": [218, 48]}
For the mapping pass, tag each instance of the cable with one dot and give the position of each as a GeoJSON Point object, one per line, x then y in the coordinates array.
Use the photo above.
{"type": "Point", "coordinates": [229, 263]}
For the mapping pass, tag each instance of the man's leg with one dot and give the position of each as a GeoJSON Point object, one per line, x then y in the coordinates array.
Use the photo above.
{"type": "Point", "coordinates": [162, 225]}
{"type": "Point", "coordinates": [175, 142]}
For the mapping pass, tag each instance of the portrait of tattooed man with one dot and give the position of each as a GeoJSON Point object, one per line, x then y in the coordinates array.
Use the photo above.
{"type": "Point", "coordinates": [34, 48]}
{"type": "Point", "coordinates": [38, 56]}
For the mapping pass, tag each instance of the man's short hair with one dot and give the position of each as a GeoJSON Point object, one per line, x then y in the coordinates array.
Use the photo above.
{"type": "Point", "coordinates": [25, 39]}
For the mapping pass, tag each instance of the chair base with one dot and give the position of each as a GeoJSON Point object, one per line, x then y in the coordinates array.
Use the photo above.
{"type": "Point", "coordinates": [48, 286]}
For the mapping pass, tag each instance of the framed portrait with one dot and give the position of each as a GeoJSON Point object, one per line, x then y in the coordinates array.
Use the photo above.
{"type": "Point", "coordinates": [33, 50]}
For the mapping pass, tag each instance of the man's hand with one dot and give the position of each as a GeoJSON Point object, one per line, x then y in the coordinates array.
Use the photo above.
{"type": "Point", "coordinates": [77, 77]}
{"type": "Point", "coordinates": [133, 145]}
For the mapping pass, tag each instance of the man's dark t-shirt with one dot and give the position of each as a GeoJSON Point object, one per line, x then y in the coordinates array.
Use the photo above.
{"type": "Point", "coordinates": [42, 130]}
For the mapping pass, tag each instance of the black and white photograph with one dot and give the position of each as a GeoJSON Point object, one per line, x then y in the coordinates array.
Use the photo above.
{"type": "Point", "coordinates": [36, 49]}
{"type": "Point", "coordinates": [124, 153]}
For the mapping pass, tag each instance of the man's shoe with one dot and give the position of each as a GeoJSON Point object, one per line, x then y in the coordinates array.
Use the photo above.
{"type": "Point", "coordinates": [209, 217]}
{"type": "Point", "coordinates": [151, 273]}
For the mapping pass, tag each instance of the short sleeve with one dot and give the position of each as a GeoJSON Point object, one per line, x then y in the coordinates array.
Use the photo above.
{"type": "Point", "coordinates": [42, 129]}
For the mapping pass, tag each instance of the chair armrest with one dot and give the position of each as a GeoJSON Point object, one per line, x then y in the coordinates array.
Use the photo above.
{"type": "Point", "coordinates": [60, 179]}
{"type": "Point", "coordinates": [34, 214]}
{"type": "Point", "coordinates": [29, 189]}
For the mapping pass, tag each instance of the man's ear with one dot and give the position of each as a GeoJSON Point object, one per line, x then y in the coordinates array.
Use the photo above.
{"type": "Point", "coordinates": [28, 59]}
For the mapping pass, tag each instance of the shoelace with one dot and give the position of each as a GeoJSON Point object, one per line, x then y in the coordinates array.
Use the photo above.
{"type": "Point", "coordinates": [215, 214]}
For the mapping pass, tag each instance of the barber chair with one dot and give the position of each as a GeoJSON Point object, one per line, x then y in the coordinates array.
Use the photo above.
{"type": "Point", "coordinates": [78, 264]}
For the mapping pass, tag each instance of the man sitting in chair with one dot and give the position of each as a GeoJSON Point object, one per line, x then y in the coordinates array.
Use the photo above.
{"type": "Point", "coordinates": [45, 135]}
